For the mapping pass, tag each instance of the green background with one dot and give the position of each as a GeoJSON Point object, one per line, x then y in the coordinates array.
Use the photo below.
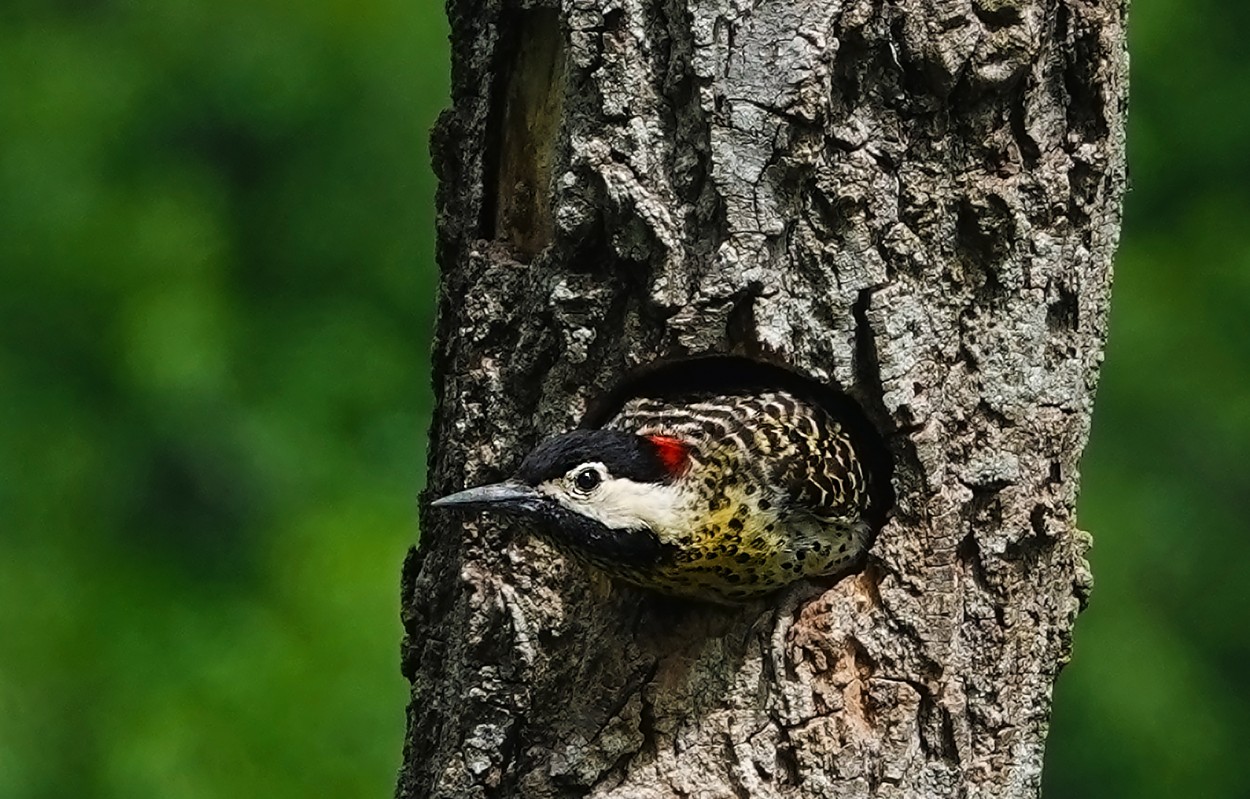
{"type": "Point", "coordinates": [215, 304]}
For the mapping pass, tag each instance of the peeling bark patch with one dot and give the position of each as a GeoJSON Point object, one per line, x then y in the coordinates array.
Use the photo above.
{"type": "Point", "coordinates": [529, 114]}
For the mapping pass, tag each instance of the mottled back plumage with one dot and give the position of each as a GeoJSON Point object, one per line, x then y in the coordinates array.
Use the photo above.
{"type": "Point", "coordinates": [773, 491]}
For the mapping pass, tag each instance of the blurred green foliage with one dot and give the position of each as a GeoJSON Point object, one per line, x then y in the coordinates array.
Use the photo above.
{"type": "Point", "coordinates": [1155, 702]}
{"type": "Point", "coordinates": [216, 286]}
{"type": "Point", "coordinates": [216, 234]}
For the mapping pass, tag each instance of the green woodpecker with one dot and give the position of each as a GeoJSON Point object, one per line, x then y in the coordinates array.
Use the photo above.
{"type": "Point", "coordinates": [721, 496]}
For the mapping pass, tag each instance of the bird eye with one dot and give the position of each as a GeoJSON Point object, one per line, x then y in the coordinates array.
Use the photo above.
{"type": "Point", "coordinates": [587, 479]}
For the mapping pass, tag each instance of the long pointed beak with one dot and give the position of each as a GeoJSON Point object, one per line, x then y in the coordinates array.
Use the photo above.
{"type": "Point", "coordinates": [509, 496]}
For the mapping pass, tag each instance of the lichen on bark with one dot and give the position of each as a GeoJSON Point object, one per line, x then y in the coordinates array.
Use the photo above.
{"type": "Point", "coordinates": [915, 201]}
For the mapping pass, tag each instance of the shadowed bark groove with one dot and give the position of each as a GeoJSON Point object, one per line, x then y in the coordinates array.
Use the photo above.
{"type": "Point", "coordinates": [916, 201]}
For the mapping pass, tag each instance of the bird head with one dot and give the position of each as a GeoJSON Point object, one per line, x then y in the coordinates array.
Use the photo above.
{"type": "Point", "coordinates": [604, 494]}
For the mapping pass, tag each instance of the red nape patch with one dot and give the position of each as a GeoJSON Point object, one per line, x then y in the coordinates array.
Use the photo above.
{"type": "Point", "coordinates": [673, 452]}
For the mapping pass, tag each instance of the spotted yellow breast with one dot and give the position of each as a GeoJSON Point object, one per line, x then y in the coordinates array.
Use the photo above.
{"type": "Point", "coordinates": [774, 492]}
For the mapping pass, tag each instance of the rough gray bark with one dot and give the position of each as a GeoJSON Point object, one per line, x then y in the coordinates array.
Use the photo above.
{"type": "Point", "coordinates": [915, 200]}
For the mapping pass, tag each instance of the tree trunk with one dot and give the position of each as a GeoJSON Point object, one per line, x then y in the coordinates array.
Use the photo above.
{"type": "Point", "coordinates": [916, 201]}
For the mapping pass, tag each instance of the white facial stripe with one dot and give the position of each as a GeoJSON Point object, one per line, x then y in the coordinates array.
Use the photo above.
{"type": "Point", "coordinates": [620, 503]}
